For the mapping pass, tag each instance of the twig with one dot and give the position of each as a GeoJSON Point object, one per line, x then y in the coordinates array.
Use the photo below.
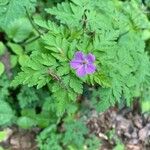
{"type": "Point", "coordinates": [57, 78]}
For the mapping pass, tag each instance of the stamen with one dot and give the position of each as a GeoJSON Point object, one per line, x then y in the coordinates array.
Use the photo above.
{"type": "Point", "coordinates": [85, 62]}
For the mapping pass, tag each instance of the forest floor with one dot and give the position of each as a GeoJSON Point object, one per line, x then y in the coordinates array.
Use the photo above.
{"type": "Point", "coordinates": [130, 127]}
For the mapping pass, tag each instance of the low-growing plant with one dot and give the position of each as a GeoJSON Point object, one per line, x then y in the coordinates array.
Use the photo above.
{"type": "Point", "coordinates": [110, 37]}
{"type": "Point", "coordinates": [70, 48]}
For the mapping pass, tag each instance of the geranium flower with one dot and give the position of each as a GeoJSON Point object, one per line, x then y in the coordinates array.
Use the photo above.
{"type": "Point", "coordinates": [83, 64]}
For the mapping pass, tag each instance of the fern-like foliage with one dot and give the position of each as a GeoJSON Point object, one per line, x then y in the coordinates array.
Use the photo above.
{"type": "Point", "coordinates": [4, 85]}
{"type": "Point", "coordinates": [72, 138]}
{"type": "Point", "coordinates": [27, 97]}
{"type": "Point", "coordinates": [110, 30]}
{"type": "Point", "coordinates": [74, 134]}
{"type": "Point", "coordinates": [48, 138]}
{"type": "Point", "coordinates": [12, 9]}
{"type": "Point", "coordinates": [7, 114]}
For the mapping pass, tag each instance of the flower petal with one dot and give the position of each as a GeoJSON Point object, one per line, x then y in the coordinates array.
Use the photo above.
{"type": "Point", "coordinates": [81, 71]}
{"type": "Point", "coordinates": [79, 56]}
{"type": "Point", "coordinates": [90, 68]}
{"type": "Point", "coordinates": [90, 58]}
{"type": "Point", "coordinates": [75, 64]}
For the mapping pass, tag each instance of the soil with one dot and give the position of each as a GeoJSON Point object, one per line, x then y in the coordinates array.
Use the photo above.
{"type": "Point", "coordinates": [131, 128]}
{"type": "Point", "coordinates": [19, 139]}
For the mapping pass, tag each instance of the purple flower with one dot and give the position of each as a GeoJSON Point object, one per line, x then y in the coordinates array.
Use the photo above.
{"type": "Point", "coordinates": [83, 64]}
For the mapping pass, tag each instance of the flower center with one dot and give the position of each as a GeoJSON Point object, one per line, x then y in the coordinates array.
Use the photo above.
{"type": "Point", "coordinates": [85, 62]}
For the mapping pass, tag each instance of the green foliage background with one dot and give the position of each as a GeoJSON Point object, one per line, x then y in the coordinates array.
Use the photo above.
{"type": "Point", "coordinates": [38, 40]}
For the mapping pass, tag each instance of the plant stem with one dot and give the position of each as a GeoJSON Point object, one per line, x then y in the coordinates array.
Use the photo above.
{"type": "Point", "coordinates": [32, 23]}
{"type": "Point", "coordinates": [31, 40]}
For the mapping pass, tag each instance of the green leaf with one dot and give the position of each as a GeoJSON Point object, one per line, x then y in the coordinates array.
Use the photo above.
{"type": "Point", "coordinates": [12, 9]}
{"type": "Point", "coordinates": [146, 106]}
{"type": "Point", "coordinates": [49, 138]}
{"type": "Point", "coordinates": [3, 2]}
{"type": "Point", "coordinates": [42, 120]}
{"type": "Point", "coordinates": [2, 68]}
{"type": "Point", "coordinates": [34, 70]}
{"type": "Point", "coordinates": [63, 70]}
{"type": "Point", "coordinates": [103, 105]}
{"type": "Point", "coordinates": [76, 85]}
{"type": "Point", "coordinates": [27, 97]}
{"type": "Point", "coordinates": [13, 60]}
{"type": "Point", "coordinates": [72, 95]}
{"type": "Point", "coordinates": [16, 48]}
{"type": "Point", "coordinates": [102, 99]}
{"type": "Point", "coordinates": [3, 135]}
{"type": "Point", "coordinates": [47, 60]}
{"type": "Point", "coordinates": [1, 148]}
{"type": "Point", "coordinates": [2, 48]}
{"type": "Point", "coordinates": [23, 59]}
{"type": "Point", "coordinates": [6, 113]}
{"type": "Point", "coordinates": [19, 29]}
{"type": "Point", "coordinates": [67, 13]}
{"type": "Point", "coordinates": [102, 80]}
{"type": "Point", "coordinates": [26, 122]}
{"type": "Point", "coordinates": [75, 133]}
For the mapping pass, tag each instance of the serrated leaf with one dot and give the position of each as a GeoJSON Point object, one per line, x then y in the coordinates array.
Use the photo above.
{"type": "Point", "coordinates": [103, 105]}
{"type": "Point", "coordinates": [72, 95]}
{"type": "Point", "coordinates": [47, 60]}
{"type": "Point", "coordinates": [42, 120]}
{"type": "Point", "coordinates": [26, 122]}
{"type": "Point", "coordinates": [43, 80]}
{"type": "Point", "coordinates": [12, 9]}
{"type": "Point", "coordinates": [101, 79]}
{"type": "Point", "coordinates": [67, 13]}
{"type": "Point", "coordinates": [76, 85]}
{"type": "Point", "coordinates": [63, 70]}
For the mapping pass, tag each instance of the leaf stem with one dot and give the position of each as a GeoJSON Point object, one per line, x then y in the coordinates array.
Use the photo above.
{"type": "Point", "coordinates": [31, 40]}
{"type": "Point", "coordinates": [32, 23]}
